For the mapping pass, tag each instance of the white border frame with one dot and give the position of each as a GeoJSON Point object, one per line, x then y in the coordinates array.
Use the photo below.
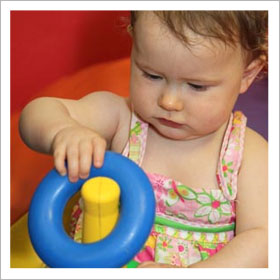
{"type": "Point", "coordinates": [270, 273]}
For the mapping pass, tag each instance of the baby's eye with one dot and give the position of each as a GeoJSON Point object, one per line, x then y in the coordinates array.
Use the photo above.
{"type": "Point", "coordinates": [197, 87]}
{"type": "Point", "coordinates": [151, 76]}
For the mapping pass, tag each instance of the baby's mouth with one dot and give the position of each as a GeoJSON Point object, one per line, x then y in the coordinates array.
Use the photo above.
{"type": "Point", "coordinates": [169, 123]}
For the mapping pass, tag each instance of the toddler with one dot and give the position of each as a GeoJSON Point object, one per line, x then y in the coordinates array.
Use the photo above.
{"type": "Point", "coordinates": [208, 170]}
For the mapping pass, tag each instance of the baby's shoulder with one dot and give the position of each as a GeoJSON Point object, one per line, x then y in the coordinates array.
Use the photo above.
{"type": "Point", "coordinates": [105, 98]}
{"type": "Point", "coordinates": [108, 103]}
{"type": "Point", "coordinates": [254, 142]}
{"type": "Point", "coordinates": [255, 151]}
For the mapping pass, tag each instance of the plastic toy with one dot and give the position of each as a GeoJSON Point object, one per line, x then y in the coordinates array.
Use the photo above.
{"type": "Point", "coordinates": [137, 210]}
{"type": "Point", "coordinates": [101, 200]}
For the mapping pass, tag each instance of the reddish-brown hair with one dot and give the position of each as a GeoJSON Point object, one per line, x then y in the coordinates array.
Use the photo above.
{"type": "Point", "coordinates": [248, 28]}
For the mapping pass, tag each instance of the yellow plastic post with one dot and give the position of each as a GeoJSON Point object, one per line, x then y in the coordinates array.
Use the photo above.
{"type": "Point", "coordinates": [101, 201]}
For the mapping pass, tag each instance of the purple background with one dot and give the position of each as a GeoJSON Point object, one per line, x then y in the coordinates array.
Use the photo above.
{"type": "Point", "coordinates": [254, 104]}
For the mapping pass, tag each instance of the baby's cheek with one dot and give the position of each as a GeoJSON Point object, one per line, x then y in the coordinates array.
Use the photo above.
{"type": "Point", "coordinates": [142, 104]}
{"type": "Point", "coordinates": [215, 120]}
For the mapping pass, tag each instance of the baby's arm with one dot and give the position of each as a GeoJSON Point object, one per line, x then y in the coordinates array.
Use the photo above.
{"type": "Point", "coordinates": [76, 130]}
{"type": "Point", "coordinates": [249, 247]}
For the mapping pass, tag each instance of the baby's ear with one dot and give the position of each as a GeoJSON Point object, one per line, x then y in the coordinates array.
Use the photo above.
{"type": "Point", "coordinates": [250, 73]}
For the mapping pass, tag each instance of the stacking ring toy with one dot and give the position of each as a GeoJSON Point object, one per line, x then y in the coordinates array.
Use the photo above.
{"type": "Point", "coordinates": [136, 218]}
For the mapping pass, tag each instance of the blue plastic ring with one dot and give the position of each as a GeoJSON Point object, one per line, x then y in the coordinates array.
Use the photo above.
{"type": "Point", "coordinates": [136, 218]}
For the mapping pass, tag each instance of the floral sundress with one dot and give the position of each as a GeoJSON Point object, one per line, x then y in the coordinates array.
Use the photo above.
{"type": "Point", "coordinates": [190, 224]}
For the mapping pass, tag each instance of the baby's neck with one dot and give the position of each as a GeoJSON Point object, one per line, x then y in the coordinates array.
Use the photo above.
{"type": "Point", "coordinates": [209, 141]}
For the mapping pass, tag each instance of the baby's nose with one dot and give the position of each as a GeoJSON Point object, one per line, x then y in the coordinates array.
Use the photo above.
{"type": "Point", "coordinates": [171, 102]}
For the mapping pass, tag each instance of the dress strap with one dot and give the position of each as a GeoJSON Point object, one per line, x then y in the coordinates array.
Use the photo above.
{"type": "Point", "coordinates": [231, 155]}
{"type": "Point", "coordinates": [136, 145]}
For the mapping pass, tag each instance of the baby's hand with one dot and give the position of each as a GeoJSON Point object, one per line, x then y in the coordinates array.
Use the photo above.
{"type": "Point", "coordinates": [81, 147]}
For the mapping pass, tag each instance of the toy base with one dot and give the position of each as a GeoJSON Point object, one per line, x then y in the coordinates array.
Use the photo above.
{"type": "Point", "coordinates": [22, 252]}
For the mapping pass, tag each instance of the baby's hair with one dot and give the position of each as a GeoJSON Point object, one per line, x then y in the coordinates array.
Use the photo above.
{"type": "Point", "coordinates": [249, 28]}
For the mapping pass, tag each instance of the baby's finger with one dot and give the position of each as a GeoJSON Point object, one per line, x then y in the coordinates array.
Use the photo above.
{"type": "Point", "coordinates": [59, 160]}
{"type": "Point", "coordinates": [99, 145]}
{"type": "Point", "coordinates": [73, 163]}
{"type": "Point", "coordinates": [85, 159]}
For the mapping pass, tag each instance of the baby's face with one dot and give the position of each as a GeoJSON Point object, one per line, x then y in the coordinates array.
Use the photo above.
{"type": "Point", "coordinates": [184, 93]}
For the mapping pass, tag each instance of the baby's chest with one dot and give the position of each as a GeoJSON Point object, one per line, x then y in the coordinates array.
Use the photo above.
{"type": "Point", "coordinates": [190, 169]}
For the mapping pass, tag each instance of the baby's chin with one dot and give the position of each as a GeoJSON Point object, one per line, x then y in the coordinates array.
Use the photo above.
{"type": "Point", "coordinates": [173, 133]}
